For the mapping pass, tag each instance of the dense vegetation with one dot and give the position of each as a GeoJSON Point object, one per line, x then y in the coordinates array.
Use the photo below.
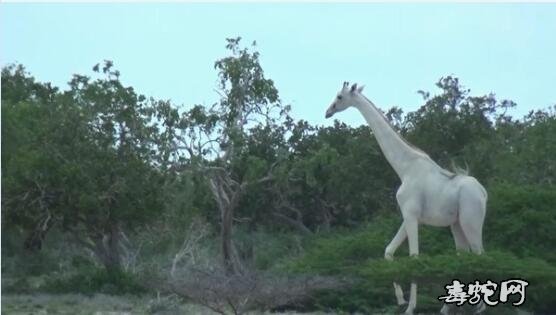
{"type": "Point", "coordinates": [101, 185]}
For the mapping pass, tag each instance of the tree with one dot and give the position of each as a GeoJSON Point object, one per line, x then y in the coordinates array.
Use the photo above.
{"type": "Point", "coordinates": [26, 134]}
{"type": "Point", "coordinates": [526, 149]}
{"type": "Point", "coordinates": [221, 141]}
{"type": "Point", "coordinates": [454, 126]}
{"type": "Point", "coordinates": [89, 159]}
{"type": "Point", "coordinates": [334, 176]}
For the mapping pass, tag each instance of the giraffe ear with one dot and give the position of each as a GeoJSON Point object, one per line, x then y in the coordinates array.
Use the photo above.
{"type": "Point", "coordinates": [360, 89]}
{"type": "Point", "coordinates": [354, 87]}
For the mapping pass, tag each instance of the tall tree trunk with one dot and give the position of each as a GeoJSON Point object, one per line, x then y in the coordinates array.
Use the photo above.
{"type": "Point", "coordinates": [107, 248]}
{"type": "Point", "coordinates": [114, 261]}
{"type": "Point", "coordinates": [36, 237]}
{"type": "Point", "coordinates": [226, 199]}
{"type": "Point", "coordinates": [226, 240]}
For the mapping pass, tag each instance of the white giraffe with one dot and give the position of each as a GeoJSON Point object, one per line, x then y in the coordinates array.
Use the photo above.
{"type": "Point", "coordinates": [428, 194]}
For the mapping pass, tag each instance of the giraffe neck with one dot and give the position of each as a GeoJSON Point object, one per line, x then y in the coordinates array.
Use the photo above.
{"type": "Point", "coordinates": [400, 154]}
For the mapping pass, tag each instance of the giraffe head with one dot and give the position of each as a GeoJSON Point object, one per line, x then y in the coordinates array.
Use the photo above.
{"type": "Point", "coordinates": [344, 99]}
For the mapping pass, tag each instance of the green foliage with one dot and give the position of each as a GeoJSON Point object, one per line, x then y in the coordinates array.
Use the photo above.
{"type": "Point", "coordinates": [522, 219]}
{"type": "Point", "coordinates": [335, 176]}
{"type": "Point", "coordinates": [342, 250]}
{"type": "Point", "coordinates": [358, 256]}
{"type": "Point", "coordinates": [30, 264]}
{"type": "Point", "coordinates": [19, 87]}
{"type": "Point", "coordinates": [272, 248]}
{"type": "Point", "coordinates": [432, 273]}
{"type": "Point", "coordinates": [494, 265]}
{"type": "Point", "coordinates": [516, 248]}
{"type": "Point", "coordinates": [242, 79]}
{"type": "Point", "coordinates": [345, 250]}
{"type": "Point", "coordinates": [94, 280]}
{"type": "Point", "coordinates": [525, 149]}
{"type": "Point", "coordinates": [454, 126]}
{"type": "Point", "coordinates": [82, 159]}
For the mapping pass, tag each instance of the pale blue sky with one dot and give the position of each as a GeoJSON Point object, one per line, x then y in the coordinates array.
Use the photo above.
{"type": "Point", "coordinates": [168, 50]}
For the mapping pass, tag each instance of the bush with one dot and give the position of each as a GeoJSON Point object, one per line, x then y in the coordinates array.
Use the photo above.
{"type": "Point", "coordinates": [19, 262]}
{"type": "Point", "coordinates": [269, 249]}
{"type": "Point", "coordinates": [359, 256]}
{"type": "Point", "coordinates": [343, 250]}
{"type": "Point", "coordinates": [94, 280]}
{"type": "Point", "coordinates": [521, 219]}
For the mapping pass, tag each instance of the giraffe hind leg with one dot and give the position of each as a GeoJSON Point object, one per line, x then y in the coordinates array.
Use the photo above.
{"type": "Point", "coordinates": [459, 237]}
{"type": "Point", "coordinates": [471, 217]}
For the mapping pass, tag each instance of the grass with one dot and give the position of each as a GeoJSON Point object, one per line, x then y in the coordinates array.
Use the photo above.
{"type": "Point", "coordinates": [101, 304]}
{"type": "Point", "coordinates": [71, 304]}
{"type": "Point", "coordinates": [519, 241]}
{"type": "Point", "coordinates": [358, 255]}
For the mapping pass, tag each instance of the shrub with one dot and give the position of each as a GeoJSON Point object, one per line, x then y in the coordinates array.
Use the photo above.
{"type": "Point", "coordinates": [521, 219]}
{"type": "Point", "coordinates": [341, 250]}
{"type": "Point", "coordinates": [359, 256]}
{"type": "Point", "coordinates": [95, 280]}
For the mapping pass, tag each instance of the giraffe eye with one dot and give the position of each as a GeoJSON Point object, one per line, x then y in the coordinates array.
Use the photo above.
{"type": "Point", "coordinates": [339, 97]}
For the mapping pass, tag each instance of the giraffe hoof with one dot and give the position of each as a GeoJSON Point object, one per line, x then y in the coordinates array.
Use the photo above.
{"type": "Point", "coordinates": [389, 257]}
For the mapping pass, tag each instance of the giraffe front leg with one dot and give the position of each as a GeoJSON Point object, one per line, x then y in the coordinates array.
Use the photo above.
{"type": "Point", "coordinates": [399, 294]}
{"type": "Point", "coordinates": [412, 230]}
{"type": "Point", "coordinates": [412, 299]}
{"type": "Point", "coordinates": [395, 243]}
{"type": "Point", "coordinates": [411, 211]}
